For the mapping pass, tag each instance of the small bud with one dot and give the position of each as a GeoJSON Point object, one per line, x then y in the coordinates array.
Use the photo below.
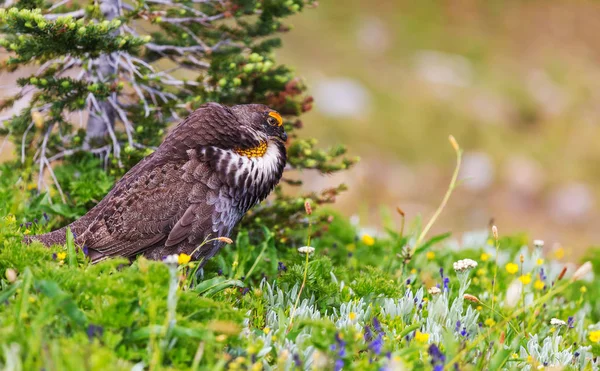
{"type": "Point", "coordinates": [562, 273]}
{"type": "Point", "coordinates": [521, 258]}
{"type": "Point", "coordinates": [307, 207]}
{"type": "Point", "coordinates": [495, 232]}
{"type": "Point", "coordinates": [471, 298]}
{"type": "Point", "coordinates": [400, 211]}
{"type": "Point", "coordinates": [227, 240]}
{"type": "Point", "coordinates": [454, 143]}
{"type": "Point", "coordinates": [582, 271]}
{"type": "Point", "coordinates": [11, 275]}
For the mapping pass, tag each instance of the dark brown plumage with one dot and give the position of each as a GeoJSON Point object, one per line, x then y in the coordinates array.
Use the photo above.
{"type": "Point", "coordinates": [212, 168]}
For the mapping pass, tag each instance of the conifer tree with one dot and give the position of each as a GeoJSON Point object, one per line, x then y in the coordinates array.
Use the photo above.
{"type": "Point", "coordinates": [110, 76]}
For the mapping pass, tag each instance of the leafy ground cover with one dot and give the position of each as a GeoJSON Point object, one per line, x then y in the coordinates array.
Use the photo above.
{"type": "Point", "coordinates": [347, 300]}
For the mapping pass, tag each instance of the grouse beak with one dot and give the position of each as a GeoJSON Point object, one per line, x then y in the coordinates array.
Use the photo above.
{"type": "Point", "coordinates": [283, 136]}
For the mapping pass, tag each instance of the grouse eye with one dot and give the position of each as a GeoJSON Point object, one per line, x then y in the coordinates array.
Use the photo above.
{"type": "Point", "coordinates": [272, 121]}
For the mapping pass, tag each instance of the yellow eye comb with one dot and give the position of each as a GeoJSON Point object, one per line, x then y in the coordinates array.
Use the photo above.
{"type": "Point", "coordinates": [277, 117]}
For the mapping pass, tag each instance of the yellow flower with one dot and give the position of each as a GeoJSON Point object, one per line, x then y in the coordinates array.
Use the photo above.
{"type": "Point", "coordinates": [484, 257]}
{"type": "Point", "coordinates": [552, 329]}
{"type": "Point", "coordinates": [489, 322]}
{"type": "Point", "coordinates": [538, 285]}
{"type": "Point", "coordinates": [61, 255]}
{"type": "Point", "coordinates": [32, 299]}
{"type": "Point", "coordinates": [583, 289]}
{"type": "Point", "coordinates": [594, 336]}
{"type": "Point", "coordinates": [27, 231]}
{"type": "Point", "coordinates": [421, 337]}
{"type": "Point", "coordinates": [351, 247]}
{"type": "Point", "coordinates": [266, 330]}
{"type": "Point", "coordinates": [368, 240]}
{"type": "Point", "coordinates": [352, 316]}
{"type": "Point", "coordinates": [10, 219]}
{"type": "Point", "coordinates": [413, 271]}
{"type": "Point", "coordinates": [525, 279]}
{"type": "Point", "coordinates": [481, 272]}
{"type": "Point", "coordinates": [183, 258]}
{"type": "Point", "coordinates": [512, 268]}
{"type": "Point", "coordinates": [540, 261]}
{"type": "Point", "coordinates": [559, 253]}
{"type": "Point", "coordinates": [479, 307]}
{"type": "Point", "coordinates": [515, 355]}
{"type": "Point", "coordinates": [430, 255]}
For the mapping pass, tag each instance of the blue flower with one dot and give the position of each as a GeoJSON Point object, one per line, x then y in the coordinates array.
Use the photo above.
{"type": "Point", "coordinates": [571, 322]}
{"type": "Point", "coordinates": [446, 282]}
{"type": "Point", "coordinates": [297, 360]}
{"type": "Point", "coordinates": [339, 364]}
{"type": "Point", "coordinates": [94, 331]}
{"type": "Point", "coordinates": [377, 345]}
{"type": "Point", "coordinates": [437, 357]}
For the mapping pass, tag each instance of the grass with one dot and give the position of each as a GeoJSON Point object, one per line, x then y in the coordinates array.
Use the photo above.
{"type": "Point", "coordinates": [357, 303]}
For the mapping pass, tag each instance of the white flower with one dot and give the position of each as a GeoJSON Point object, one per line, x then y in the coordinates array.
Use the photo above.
{"type": "Point", "coordinates": [434, 290]}
{"type": "Point", "coordinates": [465, 264]}
{"type": "Point", "coordinates": [306, 250]}
{"type": "Point", "coordinates": [172, 259]}
{"type": "Point", "coordinates": [557, 322]}
{"type": "Point", "coordinates": [538, 243]}
{"type": "Point", "coordinates": [582, 271]}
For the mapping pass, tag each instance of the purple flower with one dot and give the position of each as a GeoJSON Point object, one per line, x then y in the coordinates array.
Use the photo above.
{"type": "Point", "coordinates": [377, 325]}
{"type": "Point", "coordinates": [457, 326]}
{"type": "Point", "coordinates": [220, 272]}
{"type": "Point", "coordinates": [94, 331]}
{"type": "Point", "coordinates": [377, 345]}
{"type": "Point", "coordinates": [297, 360]}
{"type": "Point", "coordinates": [446, 282]}
{"type": "Point", "coordinates": [571, 322]}
{"type": "Point", "coordinates": [245, 291]}
{"type": "Point", "coordinates": [339, 364]}
{"type": "Point", "coordinates": [437, 357]}
{"type": "Point", "coordinates": [281, 267]}
{"type": "Point", "coordinates": [408, 281]}
{"type": "Point", "coordinates": [53, 256]}
{"type": "Point", "coordinates": [46, 216]}
{"type": "Point", "coordinates": [86, 251]}
{"type": "Point", "coordinates": [442, 272]}
{"type": "Point", "coordinates": [463, 333]}
{"type": "Point", "coordinates": [35, 220]}
{"type": "Point", "coordinates": [368, 334]}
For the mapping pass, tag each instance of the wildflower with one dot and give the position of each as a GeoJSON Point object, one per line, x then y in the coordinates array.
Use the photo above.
{"type": "Point", "coordinates": [446, 282]}
{"type": "Point", "coordinates": [95, 331]}
{"type": "Point", "coordinates": [10, 219]}
{"type": "Point", "coordinates": [306, 250]}
{"type": "Point", "coordinates": [538, 285]}
{"type": "Point", "coordinates": [484, 257]}
{"type": "Point", "coordinates": [583, 289]}
{"type": "Point", "coordinates": [559, 253]}
{"type": "Point", "coordinates": [512, 268]}
{"type": "Point", "coordinates": [183, 258]}
{"type": "Point", "coordinates": [377, 345]}
{"type": "Point", "coordinates": [594, 336]}
{"type": "Point", "coordinates": [281, 267]}
{"type": "Point", "coordinates": [437, 357]}
{"type": "Point", "coordinates": [464, 265]}
{"type": "Point", "coordinates": [27, 231]}
{"type": "Point", "coordinates": [430, 255]}
{"type": "Point", "coordinates": [582, 271]}
{"type": "Point", "coordinates": [538, 243]}
{"type": "Point", "coordinates": [489, 322]}
{"type": "Point", "coordinates": [540, 261]}
{"type": "Point", "coordinates": [525, 279]}
{"type": "Point", "coordinates": [368, 334]}
{"type": "Point", "coordinates": [434, 290]}
{"type": "Point", "coordinates": [377, 325]}
{"type": "Point", "coordinates": [368, 240]}
{"type": "Point", "coordinates": [471, 298]}
{"type": "Point", "coordinates": [557, 322]}
{"type": "Point", "coordinates": [571, 322]}
{"type": "Point", "coordinates": [266, 330]}
{"type": "Point", "coordinates": [61, 255]}
{"type": "Point", "coordinates": [421, 337]}
{"type": "Point", "coordinates": [352, 316]}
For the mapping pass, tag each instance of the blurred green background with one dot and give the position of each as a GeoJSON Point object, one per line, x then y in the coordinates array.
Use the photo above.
{"type": "Point", "coordinates": [516, 82]}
